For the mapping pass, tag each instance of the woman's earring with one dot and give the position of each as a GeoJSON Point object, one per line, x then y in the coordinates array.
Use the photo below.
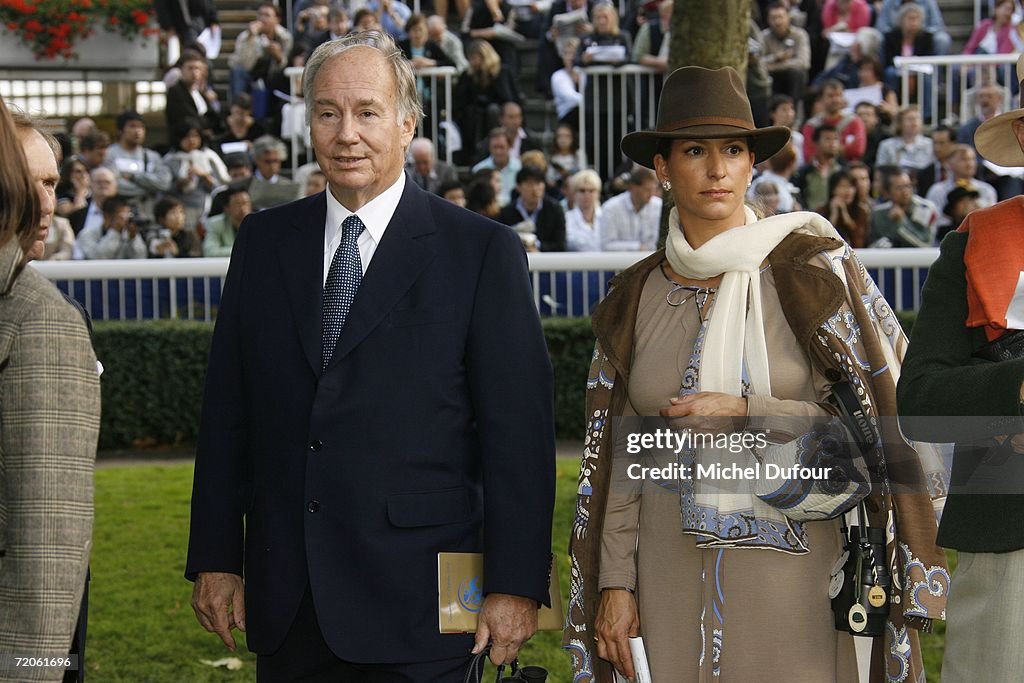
{"type": "Point", "coordinates": [666, 185]}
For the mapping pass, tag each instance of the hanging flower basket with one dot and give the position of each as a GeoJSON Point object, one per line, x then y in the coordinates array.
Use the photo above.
{"type": "Point", "coordinates": [76, 33]}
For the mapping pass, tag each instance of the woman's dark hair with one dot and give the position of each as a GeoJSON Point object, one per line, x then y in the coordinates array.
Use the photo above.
{"type": "Point", "coordinates": [165, 206]}
{"type": "Point", "coordinates": [186, 126]}
{"type": "Point", "coordinates": [64, 184]}
{"type": "Point", "coordinates": [839, 176]}
{"type": "Point", "coordinates": [575, 144]}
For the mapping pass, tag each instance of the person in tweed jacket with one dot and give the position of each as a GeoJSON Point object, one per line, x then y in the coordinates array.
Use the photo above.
{"type": "Point", "coordinates": [49, 423]}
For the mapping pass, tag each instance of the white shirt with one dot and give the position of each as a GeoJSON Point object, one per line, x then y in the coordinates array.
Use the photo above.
{"type": "Point", "coordinates": [623, 228]}
{"type": "Point", "coordinates": [375, 215]}
{"type": "Point", "coordinates": [580, 235]}
{"type": "Point", "coordinates": [938, 194]}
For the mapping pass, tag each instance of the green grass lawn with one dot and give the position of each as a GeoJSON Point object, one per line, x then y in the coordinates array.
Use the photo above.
{"type": "Point", "coordinates": [141, 626]}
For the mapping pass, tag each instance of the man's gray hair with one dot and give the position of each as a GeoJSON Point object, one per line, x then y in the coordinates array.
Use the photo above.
{"type": "Point", "coordinates": [407, 97]}
{"type": "Point", "coordinates": [25, 123]}
{"type": "Point", "coordinates": [268, 143]}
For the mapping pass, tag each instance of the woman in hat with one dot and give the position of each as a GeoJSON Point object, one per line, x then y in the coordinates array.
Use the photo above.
{"type": "Point", "coordinates": [739, 324]}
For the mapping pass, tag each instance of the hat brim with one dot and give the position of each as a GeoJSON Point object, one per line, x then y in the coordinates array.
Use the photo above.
{"type": "Point", "coordinates": [996, 141]}
{"type": "Point", "coordinates": [642, 146]}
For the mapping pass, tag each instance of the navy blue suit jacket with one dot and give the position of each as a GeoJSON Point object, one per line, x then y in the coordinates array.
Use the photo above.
{"type": "Point", "coordinates": [430, 430]}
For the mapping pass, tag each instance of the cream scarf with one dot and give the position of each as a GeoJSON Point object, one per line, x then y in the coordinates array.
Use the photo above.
{"type": "Point", "coordinates": [734, 342]}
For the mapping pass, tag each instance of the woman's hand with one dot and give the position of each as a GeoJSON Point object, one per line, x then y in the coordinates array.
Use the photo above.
{"type": "Point", "coordinates": [616, 621]}
{"type": "Point", "coordinates": [708, 411]}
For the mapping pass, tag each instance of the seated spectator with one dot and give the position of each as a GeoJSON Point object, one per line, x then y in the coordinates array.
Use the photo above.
{"type": "Point", "coordinates": [566, 20]}
{"type": "Point", "coordinates": [338, 26]}
{"type": "Point", "coordinates": [511, 119]}
{"type": "Point", "coordinates": [778, 169]}
{"type": "Point", "coordinates": [908, 39]}
{"type": "Point", "coordinates": [424, 168]}
{"type": "Point", "coordinates": [631, 221]}
{"type": "Point", "coordinates": [392, 16]}
{"type": "Point", "coordinates": [889, 18]}
{"type": "Point", "coordinates": [193, 97]}
{"type": "Point", "coordinates": [874, 131]}
{"type": "Point", "coordinates": [997, 35]}
{"type": "Point", "coordinates": [787, 53]}
{"type": "Point", "coordinates": [92, 149]}
{"type": "Point", "coordinates": [222, 230]}
{"type": "Point", "coordinates": [943, 139]}
{"type": "Point", "coordinates": [482, 198]}
{"type": "Point", "coordinates": [582, 221]}
{"type": "Point", "coordinates": [959, 202]}
{"type": "Point", "coordinates": [268, 187]}
{"type": "Point", "coordinates": [449, 43]}
{"type": "Point", "coordinates": [196, 170]}
{"type": "Point", "coordinates": [850, 215]}
{"type": "Point", "coordinates": [782, 112]}
{"type": "Point", "coordinates": [872, 87]}
{"type": "Point", "coordinates": [567, 85]}
{"type": "Point", "coordinates": [103, 184]}
{"type": "Point", "coordinates": [852, 136]}
{"type": "Point", "coordinates": [543, 218]}
{"type": "Point", "coordinates": [169, 238]}
{"type": "Point", "coordinates": [454, 192]}
{"type": "Point", "coordinates": [259, 49]}
{"type": "Point", "coordinates": [74, 187]}
{"type": "Point", "coordinates": [812, 178]}
{"type": "Point", "coordinates": [418, 48]}
{"type": "Point", "coordinates": [492, 21]}
{"type": "Point", "coordinates": [59, 244]}
{"type": "Point", "coordinates": [867, 43]}
{"type": "Point", "coordinates": [480, 92]}
{"type": "Point", "coordinates": [905, 220]}
{"type": "Point", "coordinates": [316, 182]}
{"type": "Point", "coordinates": [240, 125]}
{"type": "Point", "coordinates": [118, 237]}
{"type": "Point", "coordinates": [844, 16]}
{"type": "Point", "coordinates": [608, 44]}
{"type": "Point", "coordinates": [963, 167]}
{"type": "Point", "coordinates": [501, 161]}
{"type": "Point", "coordinates": [909, 149]}
{"type": "Point", "coordinates": [652, 40]}
{"type": "Point", "coordinates": [142, 174]}
{"type": "Point", "coordinates": [310, 24]}
{"type": "Point", "coordinates": [365, 19]}
{"type": "Point", "coordinates": [566, 156]}
{"type": "Point", "coordinates": [861, 175]}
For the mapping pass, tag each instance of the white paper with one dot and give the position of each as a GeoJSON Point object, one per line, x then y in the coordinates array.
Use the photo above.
{"type": "Point", "coordinates": [210, 40]}
{"type": "Point", "coordinates": [842, 40]}
{"type": "Point", "coordinates": [125, 165]}
{"type": "Point", "coordinates": [607, 53]}
{"type": "Point", "coordinates": [872, 94]}
{"type": "Point", "coordinates": [566, 18]}
{"type": "Point", "coordinates": [235, 147]}
{"type": "Point", "coordinates": [640, 666]}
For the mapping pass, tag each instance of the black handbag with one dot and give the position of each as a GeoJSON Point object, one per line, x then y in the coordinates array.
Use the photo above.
{"type": "Point", "coordinates": [861, 586]}
{"type": "Point", "coordinates": [1007, 347]}
{"type": "Point", "coordinates": [526, 674]}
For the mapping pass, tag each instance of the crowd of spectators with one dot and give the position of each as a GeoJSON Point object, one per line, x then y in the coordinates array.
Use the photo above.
{"type": "Point", "coordinates": [823, 68]}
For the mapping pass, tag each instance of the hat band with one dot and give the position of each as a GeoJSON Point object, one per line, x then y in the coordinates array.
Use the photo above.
{"type": "Point", "coordinates": [706, 121]}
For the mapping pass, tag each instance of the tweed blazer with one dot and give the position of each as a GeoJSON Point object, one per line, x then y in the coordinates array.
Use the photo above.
{"type": "Point", "coordinates": [49, 423]}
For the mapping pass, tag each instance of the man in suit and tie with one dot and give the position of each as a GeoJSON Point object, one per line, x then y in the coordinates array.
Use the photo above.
{"type": "Point", "coordinates": [379, 391]}
{"type": "Point", "coordinates": [424, 168]}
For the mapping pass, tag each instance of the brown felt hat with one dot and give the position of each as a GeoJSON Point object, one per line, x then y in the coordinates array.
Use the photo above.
{"type": "Point", "coordinates": [704, 104]}
{"type": "Point", "coordinates": [995, 139]}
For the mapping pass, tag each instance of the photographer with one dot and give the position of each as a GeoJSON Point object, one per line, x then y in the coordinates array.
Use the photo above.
{"type": "Point", "coordinates": [118, 238]}
{"type": "Point", "coordinates": [263, 42]}
{"type": "Point", "coordinates": [170, 239]}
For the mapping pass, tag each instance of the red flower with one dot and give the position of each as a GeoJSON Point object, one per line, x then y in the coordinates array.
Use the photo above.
{"type": "Point", "coordinates": [141, 17]}
{"type": "Point", "coordinates": [33, 25]}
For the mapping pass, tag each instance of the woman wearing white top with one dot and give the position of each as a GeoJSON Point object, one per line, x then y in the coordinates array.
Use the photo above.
{"type": "Point", "coordinates": [581, 233]}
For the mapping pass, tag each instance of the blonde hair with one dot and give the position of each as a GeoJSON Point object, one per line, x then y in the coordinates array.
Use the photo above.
{"type": "Point", "coordinates": [490, 62]}
{"type": "Point", "coordinates": [534, 158]}
{"type": "Point", "coordinates": [613, 16]}
{"type": "Point", "coordinates": [586, 177]}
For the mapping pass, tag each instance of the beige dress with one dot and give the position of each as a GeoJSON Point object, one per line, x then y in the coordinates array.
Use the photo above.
{"type": "Point", "coordinates": [733, 615]}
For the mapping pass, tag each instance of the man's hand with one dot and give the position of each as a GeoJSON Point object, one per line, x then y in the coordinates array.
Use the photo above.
{"type": "Point", "coordinates": [218, 599]}
{"type": "Point", "coordinates": [616, 621]}
{"type": "Point", "coordinates": [896, 213]}
{"type": "Point", "coordinates": [507, 621]}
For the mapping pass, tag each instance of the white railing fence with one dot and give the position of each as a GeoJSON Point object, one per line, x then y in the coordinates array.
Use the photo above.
{"type": "Point", "coordinates": [437, 105]}
{"type": "Point", "coordinates": [616, 101]}
{"type": "Point", "coordinates": [945, 84]}
{"type": "Point", "coordinates": [564, 284]}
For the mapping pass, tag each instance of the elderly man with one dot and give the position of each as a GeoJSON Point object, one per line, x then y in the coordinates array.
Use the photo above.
{"type": "Point", "coordinates": [424, 168]}
{"type": "Point", "coordinates": [103, 184]}
{"type": "Point", "coordinates": [376, 358]}
{"type": "Point", "coordinates": [268, 187]}
{"type": "Point", "coordinates": [630, 220]}
{"type": "Point", "coordinates": [48, 435]}
{"type": "Point", "coordinates": [449, 43]}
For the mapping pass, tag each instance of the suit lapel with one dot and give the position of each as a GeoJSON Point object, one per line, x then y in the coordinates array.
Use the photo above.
{"type": "Point", "coordinates": [404, 251]}
{"type": "Point", "coordinates": [301, 252]}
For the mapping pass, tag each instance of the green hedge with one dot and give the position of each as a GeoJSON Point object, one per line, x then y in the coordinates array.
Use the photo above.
{"type": "Point", "coordinates": [153, 378]}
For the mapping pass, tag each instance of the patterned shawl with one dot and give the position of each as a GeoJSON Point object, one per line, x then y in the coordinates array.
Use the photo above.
{"type": "Point", "coordinates": [838, 315]}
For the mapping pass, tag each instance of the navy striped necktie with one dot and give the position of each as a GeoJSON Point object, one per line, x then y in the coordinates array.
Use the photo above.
{"type": "Point", "coordinates": [343, 280]}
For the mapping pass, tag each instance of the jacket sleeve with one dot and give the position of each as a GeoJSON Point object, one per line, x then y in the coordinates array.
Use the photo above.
{"type": "Point", "coordinates": [48, 430]}
{"type": "Point", "coordinates": [221, 480]}
{"type": "Point", "coordinates": [511, 392]}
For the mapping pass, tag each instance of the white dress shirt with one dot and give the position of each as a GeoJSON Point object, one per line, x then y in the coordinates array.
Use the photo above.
{"type": "Point", "coordinates": [580, 235]}
{"type": "Point", "coordinates": [375, 215]}
{"type": "Point", "coordinates": [623, 228]}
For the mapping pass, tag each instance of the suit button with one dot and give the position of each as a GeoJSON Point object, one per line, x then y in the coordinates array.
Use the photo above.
{"type": "Point", "coordinates": [315, 445]}
{"type": "Point", "coordinates": [313, 506]}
